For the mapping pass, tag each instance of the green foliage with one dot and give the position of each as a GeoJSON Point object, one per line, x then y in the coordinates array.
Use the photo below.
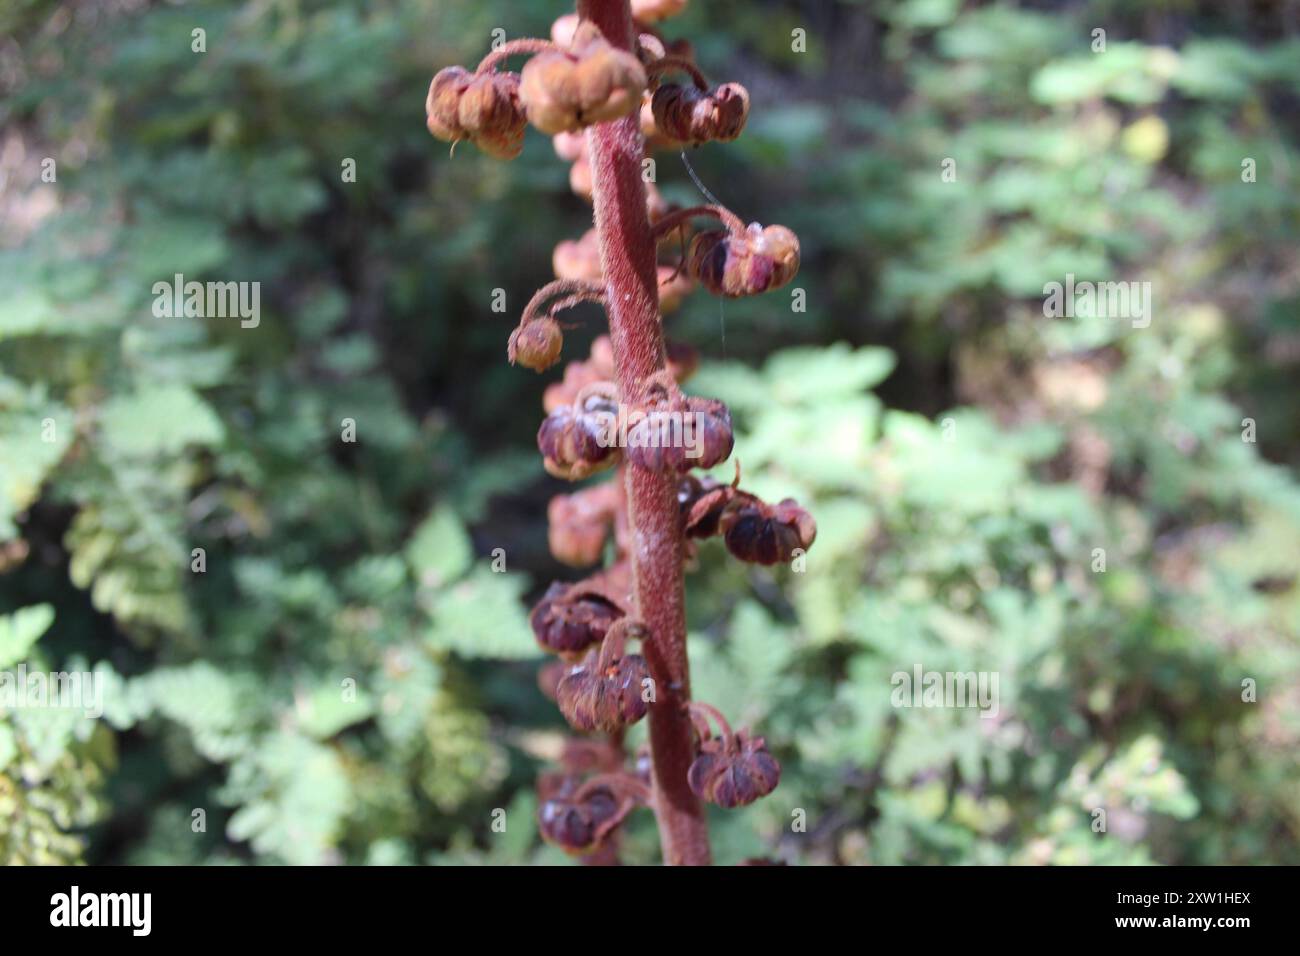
{"type": "Point", "coordinates": [343, 673]}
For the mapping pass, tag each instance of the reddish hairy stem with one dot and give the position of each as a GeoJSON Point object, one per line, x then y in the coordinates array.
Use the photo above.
{"type": "Point", "coordinates": [511, 48]}
{"type": "Point", "coordinates": [576, 291]}
{"type": "Point", "coordinates": [668, 64]}
{"type": "Point", "coordinates": [627, 255]}
{"type": "Point", "coordinates": [670, 221]}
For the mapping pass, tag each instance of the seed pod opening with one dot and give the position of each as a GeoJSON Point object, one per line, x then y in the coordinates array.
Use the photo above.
{"type": "Point", "coordinates": [605, 700]}
{"type": "Point", "coordinates": [733, 265]}
{"type": "Point", "coordinates": [767, 534]}
{"type": "Point", "coordinates": [735, 774]}
{"type": "Point", "coordinates": [566, 623]}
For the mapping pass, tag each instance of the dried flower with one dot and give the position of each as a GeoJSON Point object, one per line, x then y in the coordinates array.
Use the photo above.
{"type": "Point", "coordinates": [655, 138]}
{"type": "Point", "coordinates": [678, 435]}
{"type": "Point", "coordinates": [734, 265]}
{"type": "Point", "coordinates": [483, 108]}
{"type": "Point", "coordinates": [569, 146]}
{"type": "Point", "coordinates": [650, 11]}
{"type": "Point", "coordinates": [578, 258]}
{"type": "Point", "coordinates": [536, 344]}
{"type": "Point", "coordinates": [569, 619]}
{"type": "Point", "coordinates": [577, 821]}
{"type": "Point", "coordinates": [691, 116]}
{"type": "Point", "coordinates": [767, 534]}
{"type": "Point", "coordinates": [733, 771]}
{"type": "Point", "coordinates": [563, 28]}
{"type": "Point", "coordinates": [578, 440]}
{"type": "Point", "coordinates": [603, 695]}
{"type": "Point", "coordinates": [590, 83]}
{"type": "Point", "coordinates": [579, 523]}
{"type": "Point", "coordinates": [580, 180]}
{"type": "Point", "coordinates": [702, 502]}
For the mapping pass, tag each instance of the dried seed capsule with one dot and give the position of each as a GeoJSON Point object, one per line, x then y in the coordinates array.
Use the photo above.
{"type": "Point", "coordinates": [578, 259]}
{"type": "Point", "coordinates": [650, 11]}
{"type": "Point", "coordinates": [485, 109]}
{"type": "Point", "coordinates": [732, 266]}
{"type": "Point", "coordinates": [569, 146]}
{"type": "Point", "coordinates": [563, 28]}
{"type": "Point", "coordinates": [735, 774]}
{"type": "Point", "coordinates": [536, 344]}
{"type": "Point", "coordinates": [578, 375]}
{"type": "Point", "coordinates": [580, 179]}
{"type": "Point", "coordinates": [442, 105]}
{"type": "Point", "coordinates": [566, 622]}
{"type": "Point", "coordinates": [579, 826]}
{"type": "Point", "coordinates": [702, 503]}
{"type": "Point", "coordinates": [590, 83]}
{"type": "Point", "coordinates": [576, 443]}
{"type": "Point", "coordinates": [687, 115]}
{"type": "Point", "coordinates": [578, 524]}
{"type": "Point", "coordinates": [655, 138]}
{"type": "Point", "coordinates": [767, 534]}
{"type": "Point", "coordinates": [490, 110]}
{"type": "Point", "coordinates": [606, 700]}
{"type": "Point", "coordinates": [679, 436]}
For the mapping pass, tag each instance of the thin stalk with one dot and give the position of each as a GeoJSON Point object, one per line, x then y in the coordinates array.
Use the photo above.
{"type": "Point", "coordinates": [627, 255]}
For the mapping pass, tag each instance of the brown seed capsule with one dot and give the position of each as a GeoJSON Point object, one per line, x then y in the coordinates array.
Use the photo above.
{"type": "Point", "coordinates": [734, 774]}
{"type": "Point", "coordinates": [767, 534]}
{"type": "Point", "coordinates": [563, 28]}
{"type": "Point", "coordinates": [680, 435]}
{"type": "Point", "coordinates": [566, 622]}
{"type": "Point", "coordinates": [536, 344]}
{"type": "Point", "coordinates": [485, 109]}
{"type": "Point", "coordinates": [655, 138]}
{"type": "Point", "coordinates": [492, 114]}
{"type": "Point", "coordinates": [687, 115]}
{"type": "Point", "coordinates": [590, 83]}
{"type": "Point", "coordinates": [578, 826]}
{"type": "Point", "coordinates": [578, 442]}
{"type": "Point", "coordinates": [442, 105]}
{"type": "Point", "coordinates": [578, 524]}
{"type": "Point", "coordinates": [606, 699]}
{"type": "Point", "coordinates": [578, 258]}
{"type": "Point", "coordinates": [569, 146]}
{"type": "Point", "coordinates": [580, 179]}
{"type": "Point", "coordinates": [733, 266]}
{"type": "Point", "coordinates": [702, 503]}
{"type": "Point", "coordinates": [651, 11]}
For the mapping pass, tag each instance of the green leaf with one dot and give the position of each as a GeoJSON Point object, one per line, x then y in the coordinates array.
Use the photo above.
{"type": "Point", "coordinates": [440, 550]}
{"type": "Point", "coordinates": [482, 617]}
{"type": "Point", "coordinates": [159, 421]}
{"type": "Point", "coordinates": [20, 631]}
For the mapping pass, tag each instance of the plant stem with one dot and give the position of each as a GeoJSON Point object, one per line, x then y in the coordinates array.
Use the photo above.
{"type": "Point", "coordinates": [627, 255]}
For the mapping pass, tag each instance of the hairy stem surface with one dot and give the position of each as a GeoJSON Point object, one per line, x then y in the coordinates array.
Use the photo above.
{"type": "Point", "coordinates": [627, 255]}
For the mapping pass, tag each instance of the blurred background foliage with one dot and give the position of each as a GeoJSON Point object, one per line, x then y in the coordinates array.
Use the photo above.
{"type": "Point", "coordinates": [964, 456]}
